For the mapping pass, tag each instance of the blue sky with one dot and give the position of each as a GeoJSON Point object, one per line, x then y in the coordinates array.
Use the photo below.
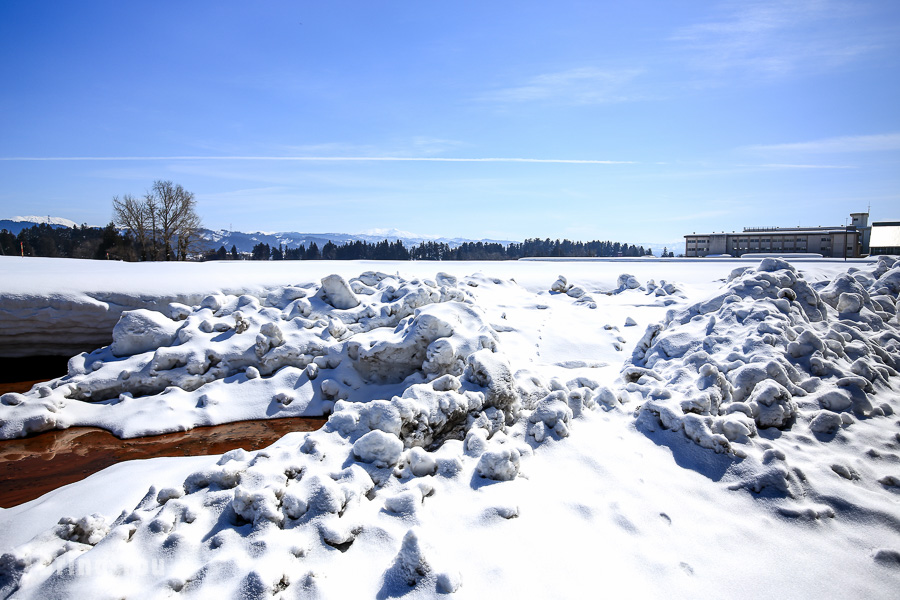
{"type": "Point", "coordinates": [686, 116]}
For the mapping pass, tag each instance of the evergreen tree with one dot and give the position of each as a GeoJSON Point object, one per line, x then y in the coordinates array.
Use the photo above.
{"type": "Point", "coordinates": [261, 252]}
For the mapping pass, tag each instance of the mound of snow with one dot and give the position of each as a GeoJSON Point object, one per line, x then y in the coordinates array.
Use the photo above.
{"type": "Point", "coordinates": [294, 352]}
{"type": "Point", "coordinates": [770, 352]}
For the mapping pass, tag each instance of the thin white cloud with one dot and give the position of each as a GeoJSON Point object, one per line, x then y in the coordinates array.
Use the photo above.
{"type": "Point", "coordinates": [586, 85]}
{"type": "Point", "coordinates": [884, 142]}
{"type": "Point", "coordinates": [321, 159]}
{"type": "Point", "coordinates": [778, 37]}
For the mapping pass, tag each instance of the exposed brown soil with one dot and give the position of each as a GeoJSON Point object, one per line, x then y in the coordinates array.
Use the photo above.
{"type": "Point", "coordinates": [18, 386]}
{"type": "Point", "coordinates": [31, 467]}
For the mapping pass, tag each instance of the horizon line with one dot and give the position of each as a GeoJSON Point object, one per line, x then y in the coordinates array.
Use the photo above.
{"type": "Point", "coordinates": [323, 158]}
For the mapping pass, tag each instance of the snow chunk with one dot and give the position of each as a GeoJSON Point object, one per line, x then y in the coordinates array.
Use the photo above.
{"type": "Point", "coordinates": [491, 370]}
{"type": "Point", "coordinates": [377, 447]}
{"type": "Point", "coordinates": [410, 565]}
{"type": "Point", "coordinates": [554, 413]}
{"type": "Point", "coordinates": [336, 291]}
{"type": "Point", "coordinates": [561, 285]}
{"type": "Point", "coordinates": [826, 422]}
{"type": "Point", "coordinates": [627, 282]}
{"type": "Point", "coordinates": [499, 465]}
{"type": "Point", "coordinates": [257, 506]}
{"type": "Point", "coordinates": [86, 530]}
{"type": "Point", "coordinates": [776, 408]}
{"type": "Point", "coordinates": [269, 337]}
{"type": "Point", "coordinates": [141, 330]}
{"type": "Point", "coordinates": [169, 493]}
{"type": "Point", "coordinates": [421, 463]}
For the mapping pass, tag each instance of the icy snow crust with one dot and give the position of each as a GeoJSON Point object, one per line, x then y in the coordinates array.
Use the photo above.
{"type": "Point", "coordinates": [453, 402]}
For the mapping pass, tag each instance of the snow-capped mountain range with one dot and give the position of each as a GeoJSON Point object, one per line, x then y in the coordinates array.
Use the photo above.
{"type": "Point", "coordinates": [16, 224]}
{"type": "Point", "coordinates": [293, 239]}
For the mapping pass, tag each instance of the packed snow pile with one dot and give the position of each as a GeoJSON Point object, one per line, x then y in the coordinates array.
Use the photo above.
{"type": "Point", "coordinates": [295, 352]}
{"type": "Point", "coordinates": [777, 374]}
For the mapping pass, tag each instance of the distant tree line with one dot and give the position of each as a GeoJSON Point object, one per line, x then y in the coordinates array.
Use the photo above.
{"type": "Point", "coordinates": [530, 248]}
{"type": "Point", "coordinates": [64, 242]}
{"type": "Point", "coordinates": [386, 250]}
{"type": "Point", "coordinates": [111, 243]}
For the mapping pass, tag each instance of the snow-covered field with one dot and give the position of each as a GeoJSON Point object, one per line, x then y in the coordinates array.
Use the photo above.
{"type": "Point", "coordinates": [646, 428]}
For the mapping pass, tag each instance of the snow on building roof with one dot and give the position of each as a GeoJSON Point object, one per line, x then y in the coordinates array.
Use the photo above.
{"type": "Point", "coordinates": [885, 234]}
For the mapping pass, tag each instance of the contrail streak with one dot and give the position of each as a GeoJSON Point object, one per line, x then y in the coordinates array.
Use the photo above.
{"type": "Point", "coordinates": [322, 158]}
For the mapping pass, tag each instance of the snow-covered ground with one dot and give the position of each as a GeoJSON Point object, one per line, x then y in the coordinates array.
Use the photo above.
{"type": "Point", "coordinates": [52, 306]}
{"type": "Point", "coordinates": [644, 428]}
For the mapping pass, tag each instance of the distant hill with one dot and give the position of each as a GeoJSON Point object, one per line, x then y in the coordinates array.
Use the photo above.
{"type": "Point", "coordinates": [16, 224]}
{"type": "Point", "coordinates": [292, 239]}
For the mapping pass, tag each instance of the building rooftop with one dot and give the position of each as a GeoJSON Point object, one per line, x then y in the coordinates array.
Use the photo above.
{"type": "Point", "coordinates": [801, 231]}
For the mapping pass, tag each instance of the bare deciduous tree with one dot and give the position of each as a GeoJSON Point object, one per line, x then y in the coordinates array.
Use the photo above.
{"type": "Point", "coordinates": [165, 224]}
{"type": "Point", "coordinates": [132, 214]}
